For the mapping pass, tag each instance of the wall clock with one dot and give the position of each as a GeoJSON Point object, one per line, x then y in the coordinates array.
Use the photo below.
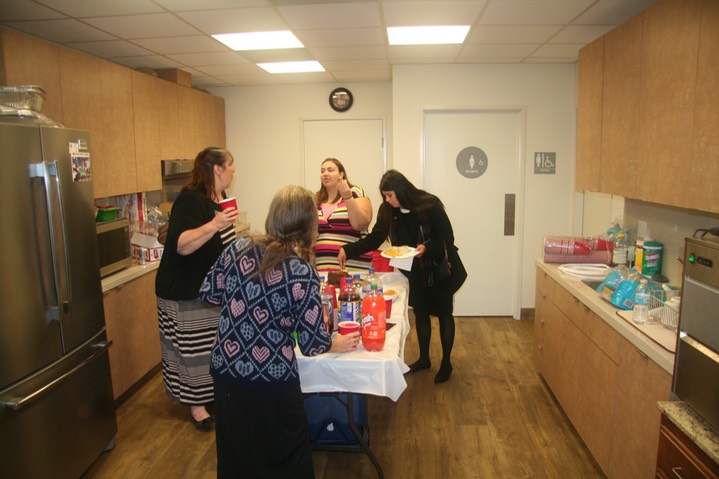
{"type": "Point", "coordinates": [341, 99]}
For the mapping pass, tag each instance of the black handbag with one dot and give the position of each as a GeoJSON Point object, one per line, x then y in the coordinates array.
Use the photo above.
{"type": "Point", "coordinates": [442, 268]}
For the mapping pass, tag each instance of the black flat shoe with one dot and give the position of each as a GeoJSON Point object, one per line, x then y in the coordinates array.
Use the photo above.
{"type": "Point", "coordinates": [204, 425]}
{"type": "Point", "coordinates": [444, 373]}
{"type": "Point", "coordinates": [419, 365]}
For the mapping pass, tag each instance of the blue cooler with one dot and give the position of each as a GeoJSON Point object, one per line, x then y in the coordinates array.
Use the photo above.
{"type": "Point", "coordinates": [327, 416]}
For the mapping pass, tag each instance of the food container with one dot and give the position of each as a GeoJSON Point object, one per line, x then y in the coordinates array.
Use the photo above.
{"type": "Point", "coordinates": [24, 97]}
{"type": "Point", "coordinates": [106, 213]}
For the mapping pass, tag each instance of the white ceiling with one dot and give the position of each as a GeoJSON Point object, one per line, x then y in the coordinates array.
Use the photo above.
{"type": "Point", "coordinates": [347, 37]}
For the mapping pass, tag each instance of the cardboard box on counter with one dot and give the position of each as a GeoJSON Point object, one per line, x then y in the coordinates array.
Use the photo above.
{"type": "Point", "coordinates": [152, 248]}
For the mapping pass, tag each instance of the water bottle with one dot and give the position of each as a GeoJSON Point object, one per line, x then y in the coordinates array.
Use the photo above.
{"type": "Point", "coordinates": [374, 325]}
{"type": "Point", "coordinates": [328, 314]}
{"type": "Point", "coordinates": [640, 313]}
{"type": "Point", "coordinates": [369, 280]}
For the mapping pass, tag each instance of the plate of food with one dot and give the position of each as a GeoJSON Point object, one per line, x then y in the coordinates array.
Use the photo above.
{"type": "Point", "coordinates": [399, 252]}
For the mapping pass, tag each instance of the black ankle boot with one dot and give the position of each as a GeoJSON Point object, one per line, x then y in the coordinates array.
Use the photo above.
{"type": "Point", "coordinates": [418, 365]}
{"type": "Point", "coordinates": [445, 371]}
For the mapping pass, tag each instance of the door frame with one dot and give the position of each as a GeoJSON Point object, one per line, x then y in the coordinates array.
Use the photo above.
{"type": "Point", "coordinates": [521, 112]}
{"type": "Point", "coordinates": [381, 118]}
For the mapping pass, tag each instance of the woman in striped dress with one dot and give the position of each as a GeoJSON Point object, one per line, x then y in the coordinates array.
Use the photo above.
{"type": "Point", "coordinates": [199, 230]}
{"type": "Point", "coordinates": [343, 214]}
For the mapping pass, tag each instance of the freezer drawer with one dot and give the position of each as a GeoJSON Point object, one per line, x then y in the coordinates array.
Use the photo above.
{"type": "Point", "coordinates": [56, 423]}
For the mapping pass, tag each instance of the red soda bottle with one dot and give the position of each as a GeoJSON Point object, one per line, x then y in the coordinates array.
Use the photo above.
{"type": "Point", "coordinates": [374, 326]}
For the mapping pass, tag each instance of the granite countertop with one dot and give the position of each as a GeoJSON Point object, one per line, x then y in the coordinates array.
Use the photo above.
{"type": "Point", "coordinates": [608, 312]}
{"type": "Point", "coordinates": [691, 424]}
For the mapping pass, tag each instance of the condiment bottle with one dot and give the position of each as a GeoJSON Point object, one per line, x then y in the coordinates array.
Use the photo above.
{"type": "Point", "coordinates": [374, 325]}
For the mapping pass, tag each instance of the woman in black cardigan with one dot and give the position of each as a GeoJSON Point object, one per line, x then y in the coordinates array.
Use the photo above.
{"type": "Point", "coordinates": [414, 217]}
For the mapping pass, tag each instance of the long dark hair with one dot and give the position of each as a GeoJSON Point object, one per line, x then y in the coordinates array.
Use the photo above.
{"type": "Point", "coordinates": [408, 195]}
{"type": "Point", "coordinates": [322, 195]}
{"type": "Point", "coordinates": [203, 177]}
{"type": "Point", "coordinates": [291, 227]}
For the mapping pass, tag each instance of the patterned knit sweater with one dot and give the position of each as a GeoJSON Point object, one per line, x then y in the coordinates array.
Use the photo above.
{"type": "Point", "coordinates": [254, 347]}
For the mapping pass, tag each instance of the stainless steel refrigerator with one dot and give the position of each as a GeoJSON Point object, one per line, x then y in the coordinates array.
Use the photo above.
{"type": "Point", "coordinates": [57, 412]}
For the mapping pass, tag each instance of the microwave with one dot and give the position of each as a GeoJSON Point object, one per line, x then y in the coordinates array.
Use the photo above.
{"type": "Point", "coordinates": [113, 242]}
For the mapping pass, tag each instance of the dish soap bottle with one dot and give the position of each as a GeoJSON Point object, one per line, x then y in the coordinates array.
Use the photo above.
{"type": "Point", "coordinates": [640, 313]}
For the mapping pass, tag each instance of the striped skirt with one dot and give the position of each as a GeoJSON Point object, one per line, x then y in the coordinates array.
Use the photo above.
{"type": "Point", "coordinates": [187, 333]}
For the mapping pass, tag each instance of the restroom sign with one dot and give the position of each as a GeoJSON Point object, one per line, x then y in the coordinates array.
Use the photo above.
{"type": "Point", "coordinates": [545, 163]}
{"type": "Point", "coordinates": [472, 162]}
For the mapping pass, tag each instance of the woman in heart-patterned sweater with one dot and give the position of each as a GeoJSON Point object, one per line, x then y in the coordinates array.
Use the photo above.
{"type": "Point", "coordinates": [268, 292]}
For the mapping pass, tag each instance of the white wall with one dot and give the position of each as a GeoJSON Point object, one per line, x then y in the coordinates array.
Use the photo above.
{"type": "Point", "coordinates": [263, 127]}
{"type": "Point", "coordinates": [547, 92]}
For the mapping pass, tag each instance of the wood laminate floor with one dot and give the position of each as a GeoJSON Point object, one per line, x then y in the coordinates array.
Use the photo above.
{"type": "Point", "coordinates": [493, 419]}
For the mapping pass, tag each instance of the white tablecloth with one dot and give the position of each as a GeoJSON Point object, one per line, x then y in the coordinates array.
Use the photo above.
{"type": "Point", "coordinates": [379, 373]}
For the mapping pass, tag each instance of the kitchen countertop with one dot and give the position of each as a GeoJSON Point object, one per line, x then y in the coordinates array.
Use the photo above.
{"type": "Point", "coordinates": [606, 311]}
{"type": "Point", "coordinates": [136, 270]}
{"type": "Point", "coordinates": [691, 424]}
{"type": "Point", "coordinates": [128, 274]}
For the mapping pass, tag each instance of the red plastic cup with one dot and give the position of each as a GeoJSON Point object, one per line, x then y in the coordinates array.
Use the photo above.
{"type": "Point", "coordinates": [348, 327]}
{"type": "Point", "coordinates": [389, 295]}
{"type": "Point", "coordinates": [228, 203]}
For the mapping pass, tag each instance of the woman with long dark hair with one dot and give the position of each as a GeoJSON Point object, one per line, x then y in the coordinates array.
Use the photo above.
{"type": "Point", "coordinates": [198, 232]}
{"type": "Point", "coordinates": [413, 217]}
{"type": "Point", "coordinates": [269, 295]}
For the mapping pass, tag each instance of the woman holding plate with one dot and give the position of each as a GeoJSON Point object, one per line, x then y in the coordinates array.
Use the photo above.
{"type": "Point", "coordinates": [413, 217]}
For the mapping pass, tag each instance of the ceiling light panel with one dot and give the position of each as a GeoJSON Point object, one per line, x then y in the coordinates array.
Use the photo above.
{"type": "Point", "coordinates": [292, 67]}
{"type": "Point", "coordinates": [431, 13]}
{"type": "Point", "coordinates": [259, 40]}
{"type": "Point", "coordinates": [428, 35]}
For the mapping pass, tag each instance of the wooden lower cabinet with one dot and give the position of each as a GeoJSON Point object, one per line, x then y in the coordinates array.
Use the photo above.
{"type": "Point", "coordinates": [131, 322]}
{"type": "Point", "coordinates": [636, 419]}
{"type": "Point", "coordinates": [607, 388]}
{"type": "Point", "coordinates": [679, 457]}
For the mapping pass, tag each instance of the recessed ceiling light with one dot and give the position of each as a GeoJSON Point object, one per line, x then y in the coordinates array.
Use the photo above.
{"type": "Point", "coordinates": [259, 40]}
{"type": "Point", "coordinates": [292, 67]}
{"type": "Point", "coordinates": [433, 35]}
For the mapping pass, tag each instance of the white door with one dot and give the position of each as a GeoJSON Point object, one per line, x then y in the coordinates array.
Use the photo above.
{"type": "Point", "coordinates": [478, 199]}
{"type": "Point", "coordinates": [358, 144]}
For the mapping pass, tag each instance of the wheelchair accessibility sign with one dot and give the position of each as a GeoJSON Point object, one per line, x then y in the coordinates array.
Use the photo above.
{"type": "Point", "coordinates": [545, 163]}
{"type": "Point", "coordinates": [472, 162]}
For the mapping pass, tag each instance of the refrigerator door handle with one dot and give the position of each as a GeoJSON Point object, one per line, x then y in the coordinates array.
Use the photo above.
{"type": "Point", "coordinates": [48, 171]}
{"type": "Point", "coordinates": [16, 403]}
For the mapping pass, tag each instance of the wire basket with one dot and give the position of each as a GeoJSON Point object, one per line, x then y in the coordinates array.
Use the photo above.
{"type": "Point", "coordinates": [25, 97]}
{"type": "Point", "coordinates": [665, 309]}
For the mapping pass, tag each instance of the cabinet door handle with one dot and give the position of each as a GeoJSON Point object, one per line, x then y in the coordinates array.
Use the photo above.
{"type": "Point", "coordinates": [540, 347]}
{"type": "Point", "coordinates": [541, 321]}
{"type": "Point", "coordinates": [676, 471]}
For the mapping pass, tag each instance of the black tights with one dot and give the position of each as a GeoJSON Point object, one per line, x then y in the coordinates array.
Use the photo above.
{"type": "Point", "coordinates": [423, 325]}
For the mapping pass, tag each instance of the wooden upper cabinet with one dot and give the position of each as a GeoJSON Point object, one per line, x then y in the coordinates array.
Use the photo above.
{"type": "Point", "coordinates": [145, 100]}
{"type": "Point", "coordinates": [167, 108]}
{"type": "Point", "coordinates": [589, 116]}
{"type": "Point", "coordinates": [118, 131]}
{"type": "Point", "coordinates": [620, 109]}
{"type": "Point", "coordinates": [670, 47]}
{"type": "Point", "coordinates": [43, 70]}
{"type": "Point", "coordinates": [82, 108]}
{"type": "Point", "coordinates": [187, 122]}
{"type": "Point", "coordinates": [704, 175]}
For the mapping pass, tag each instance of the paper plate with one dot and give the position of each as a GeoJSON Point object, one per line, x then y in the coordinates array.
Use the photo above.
{"type": "Point", "coordinates": [393, 252]}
